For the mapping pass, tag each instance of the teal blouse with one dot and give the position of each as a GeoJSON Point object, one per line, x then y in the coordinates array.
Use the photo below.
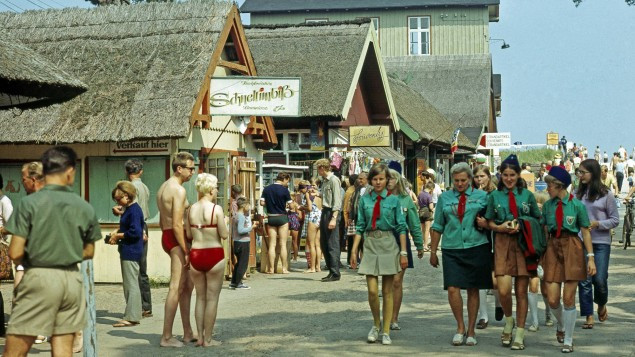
{"type": "Point", "coordinates": [391, 217]}
{"type": "Point", "coordinates": [498, 205]}
{"type": "Point", "coordinates": [457, 234]}
{"type": "Point", "coordinates": [575, 215]}
{"type": "Point", "coordinates": [412, 220]}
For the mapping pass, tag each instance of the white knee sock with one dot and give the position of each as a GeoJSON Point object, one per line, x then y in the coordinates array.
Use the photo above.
{"type": "Point", "coordinates": [569, 324]}
{"type": "Point", "coordinates": [533, 308]}
{"type": "Point", "coordinates": [557, 313]}
{"type": "Point", "coordinates": [482, 306]}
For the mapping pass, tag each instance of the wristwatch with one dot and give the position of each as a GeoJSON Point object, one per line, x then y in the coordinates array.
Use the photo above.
{"type": "Point", "coordinates": [403, 253]}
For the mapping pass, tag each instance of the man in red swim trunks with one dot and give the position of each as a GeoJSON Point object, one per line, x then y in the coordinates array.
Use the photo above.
{"type": "Point", "coordinates": [172, 201]}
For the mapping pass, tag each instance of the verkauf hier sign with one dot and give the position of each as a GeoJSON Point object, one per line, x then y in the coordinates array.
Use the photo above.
{"type": "Point", "coordinates": [496, 140]}
{"type": "Point", "coordinates": [148, 147]}
{"type": "Point", "coordinates": [552, 138]}
{"type": "Point", "coordinates": [374, 135]}
{"type": "Point", "coordinates": [258, 96]}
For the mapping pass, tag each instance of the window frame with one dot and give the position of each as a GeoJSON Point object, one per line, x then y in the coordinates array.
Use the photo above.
{"type": "Point", "coordinates": [419, 31]}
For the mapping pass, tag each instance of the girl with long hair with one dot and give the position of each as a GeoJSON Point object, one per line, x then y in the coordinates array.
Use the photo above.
{"type": "Point", "coordinates": [396, 186]}
{"type": "Point", "coordinates": [602, 210]}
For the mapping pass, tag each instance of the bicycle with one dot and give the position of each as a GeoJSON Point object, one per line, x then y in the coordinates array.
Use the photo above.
{"type": "Point", "coordinates": [628, 224]}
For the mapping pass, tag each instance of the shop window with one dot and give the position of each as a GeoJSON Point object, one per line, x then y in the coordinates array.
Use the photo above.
{"type": "Point", "coordinates": [419, 35]}
{"type": "Point", "coordinates": [103, 174]}
{"type": "Point", "coordinates": [293, 142]}
{"type": "Point", "coordinates": [12, 176]}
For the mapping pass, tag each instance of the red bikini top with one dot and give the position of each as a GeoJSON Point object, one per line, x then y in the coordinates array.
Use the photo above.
{"type": "Point", "coordinates": [211, 225]}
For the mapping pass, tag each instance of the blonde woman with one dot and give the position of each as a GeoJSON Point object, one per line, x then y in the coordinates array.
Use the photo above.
{"type": "Point", "coordinates": [396, 186]}
{"type": "Point", "coordinates": [312, 213]}
{"type": "Point", "coordinates": [205, 224]}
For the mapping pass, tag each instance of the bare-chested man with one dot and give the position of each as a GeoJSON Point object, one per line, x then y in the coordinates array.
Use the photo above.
{"type": "Point", "coordinates": [172, 202]}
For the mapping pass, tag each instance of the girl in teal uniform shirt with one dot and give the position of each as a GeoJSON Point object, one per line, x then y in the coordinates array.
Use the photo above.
{"type": "Point", "coordinates": [397, 188]}
{"type": "Point", "coordinates": [564, 217]}
{"type": "Point", "coordinates": [503, 208]}
{"type": "Point", "coordinates": [379, 215]}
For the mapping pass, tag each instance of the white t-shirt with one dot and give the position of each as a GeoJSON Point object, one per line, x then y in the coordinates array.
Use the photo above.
{"type": "Point", "coordinates": [436, 193]}
{"type": "Point", "coordinates": [6, 209]}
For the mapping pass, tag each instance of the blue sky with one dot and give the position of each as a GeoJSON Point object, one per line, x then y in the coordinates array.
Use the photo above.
{"type": "Point", "coordinates": [568, 70]}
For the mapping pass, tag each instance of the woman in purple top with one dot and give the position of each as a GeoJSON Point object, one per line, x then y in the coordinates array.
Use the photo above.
{"type": "Point", "coordinates": [602, 210]}
{"type": "Point", "coordinates": [425, 200]}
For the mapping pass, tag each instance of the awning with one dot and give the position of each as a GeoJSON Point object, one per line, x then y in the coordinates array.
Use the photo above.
{"type": "Point", "coordinates": [408, 130]}
{"type": "Point", "coordinates": [385, 153]}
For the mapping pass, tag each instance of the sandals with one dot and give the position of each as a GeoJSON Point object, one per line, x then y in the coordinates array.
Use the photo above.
{"type": "Point", "coordinates": [586, 326]}
{"type": "Point", "coordinates": [518, 346]}
{"type": "Point", "coordinates": [560, 336]}
{"type": "Point", "coordinates": [395, 326]}
{"type": "Point", "coordinates": [482, 324]}
{"type": "Point", "coordinates": [471, 341]}
{"type": "Point", "coordinates": [567, 349]}
{"type": "Point", "coordinates": [506, 339]}
{"type": "Point", "coordinates": [457, 340]}
{"type": "Point", "coordinates": [41, 339]}
{"type": "Point", "coordinates": [604, 315]}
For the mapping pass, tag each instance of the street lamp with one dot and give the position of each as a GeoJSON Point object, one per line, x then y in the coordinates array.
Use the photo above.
{"type": "Point", "coordinates": [505, 44]}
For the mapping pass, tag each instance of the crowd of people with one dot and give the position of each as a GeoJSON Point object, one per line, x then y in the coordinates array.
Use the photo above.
{"type": "Point", "coordinates": [494, 234]}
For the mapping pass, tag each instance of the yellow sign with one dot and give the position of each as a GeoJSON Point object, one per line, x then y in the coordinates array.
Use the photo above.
{"type": "Point", "coordinates": [531, 181]}
{"type": "Point", "coordinates": [552, 139]}
{"type": "Point", "coordinates": [374, 135]}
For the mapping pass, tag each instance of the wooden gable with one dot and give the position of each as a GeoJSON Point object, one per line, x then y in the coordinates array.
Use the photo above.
{"type": "Point", "coordinates": [232, 40]}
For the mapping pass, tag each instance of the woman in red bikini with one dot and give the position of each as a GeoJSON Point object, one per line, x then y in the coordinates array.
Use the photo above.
{"type": "Point", "coordinates": [205, 223]}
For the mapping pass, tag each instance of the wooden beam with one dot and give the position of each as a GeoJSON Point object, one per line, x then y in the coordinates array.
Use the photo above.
{"type": "Point", "coordinates": [234, 66]}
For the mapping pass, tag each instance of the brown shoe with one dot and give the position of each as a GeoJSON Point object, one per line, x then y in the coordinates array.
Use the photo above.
{"type": "Point", "coordinates": [146, 313]}
{"type": "Point", "coordinates": [482, 324]}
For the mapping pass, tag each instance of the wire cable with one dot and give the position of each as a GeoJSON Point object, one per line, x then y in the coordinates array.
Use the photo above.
{"type": "Point", "coordinates": [14, 5]}
{"type": "Point", "coordinates": [8, 7]}
{"type": "Point", "coordinates": [36, 4]}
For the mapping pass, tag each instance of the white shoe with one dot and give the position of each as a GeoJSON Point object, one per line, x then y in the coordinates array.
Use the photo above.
{"type": "Point", "coordinates": [373, 335]}
{"type": "Point", "coordinates": [385, 340]}
{"type": "Point", "coordinates": [533, 328]}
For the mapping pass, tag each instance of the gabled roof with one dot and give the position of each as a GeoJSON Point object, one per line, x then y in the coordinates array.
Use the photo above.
{"type": "Point", "coordinates": [25, 76]}
{"type": "Point", "coordinates": [459, 86]}
{"type": "Point", "coordinates": [423, 117]}
{"type": "Point", "coordinates": [328, 57]}
{"type": "Point", "coordinates": [144, 66]}
{"type": "Point", "coordinates": [255, 6]}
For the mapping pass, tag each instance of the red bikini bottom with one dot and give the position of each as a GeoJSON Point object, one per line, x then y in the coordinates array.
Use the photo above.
{"type": "Point", "coordinates": [206, 259]}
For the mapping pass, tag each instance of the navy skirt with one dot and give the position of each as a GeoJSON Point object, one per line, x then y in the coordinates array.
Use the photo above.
{"type": "Point", "coordinates": [469, 268]}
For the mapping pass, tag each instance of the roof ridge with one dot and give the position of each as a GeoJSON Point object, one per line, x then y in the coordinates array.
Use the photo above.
{"type": "Point", "coordinates": [360, 21]}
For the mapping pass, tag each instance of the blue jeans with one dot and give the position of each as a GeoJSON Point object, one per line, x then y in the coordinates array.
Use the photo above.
{"type": "Point", "coordinates": [595, 288]}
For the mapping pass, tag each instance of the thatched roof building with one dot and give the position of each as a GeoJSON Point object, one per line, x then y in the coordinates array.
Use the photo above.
{"type": "Point", "coordinates": [458, 86]}
{"type": "Point", "coordinates": [332, 59]}
{"type": "Point", "coordinates": [144, 66]}
{"type": "Point", "coordinates": [423, 117]}
{"type": "Point", "coordinates": [27, 77]}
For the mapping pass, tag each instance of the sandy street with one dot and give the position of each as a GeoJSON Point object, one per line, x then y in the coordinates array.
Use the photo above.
{"type": "Point", "coordinates": [297, 315]}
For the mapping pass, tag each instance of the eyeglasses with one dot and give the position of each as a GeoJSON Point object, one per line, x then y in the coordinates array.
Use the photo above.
{"type": "Point", "coordinates": [191, 168]}
{"type": "Point", "coordinates": [582, 172]}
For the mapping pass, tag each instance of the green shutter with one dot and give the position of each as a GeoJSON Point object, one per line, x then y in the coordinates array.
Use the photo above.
{"type": "Point", "coordinates": [408, 130]}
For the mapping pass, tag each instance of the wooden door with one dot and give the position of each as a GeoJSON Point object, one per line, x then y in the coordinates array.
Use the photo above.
{"type": "Point", "coordinates": [245, 175]}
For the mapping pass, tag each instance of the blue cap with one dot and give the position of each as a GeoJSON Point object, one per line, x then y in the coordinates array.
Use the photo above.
{"type": "Point", "coordinates": [395, 166]}
{"type": "Point", "coordinates": [561, 174]}
{"type": "Point", "coordinates": [512, 160]}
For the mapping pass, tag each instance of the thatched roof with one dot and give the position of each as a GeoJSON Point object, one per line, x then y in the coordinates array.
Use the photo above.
{"type": "Point", "coordinates": [26, 76]}
{"type": "Point", "coordinates": [422, 116]}
{"type": "Point", "coordinates": [459, 86]}
{"type": "Point", "coordinates": [325, 56]}
{"type": "Point", "coordinates": [144, 66]}
{"type": "Point", "coordinates": [321, 5]}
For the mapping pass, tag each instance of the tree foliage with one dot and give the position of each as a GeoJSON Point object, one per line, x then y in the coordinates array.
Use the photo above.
{"type": "Point", "coordinates": [125, 2]}
{"type": "Point", "coordinates": [628, 2]}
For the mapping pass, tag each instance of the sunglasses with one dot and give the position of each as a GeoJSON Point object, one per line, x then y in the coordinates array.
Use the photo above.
{"type": "Point", "coordinates": [191, 168]}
